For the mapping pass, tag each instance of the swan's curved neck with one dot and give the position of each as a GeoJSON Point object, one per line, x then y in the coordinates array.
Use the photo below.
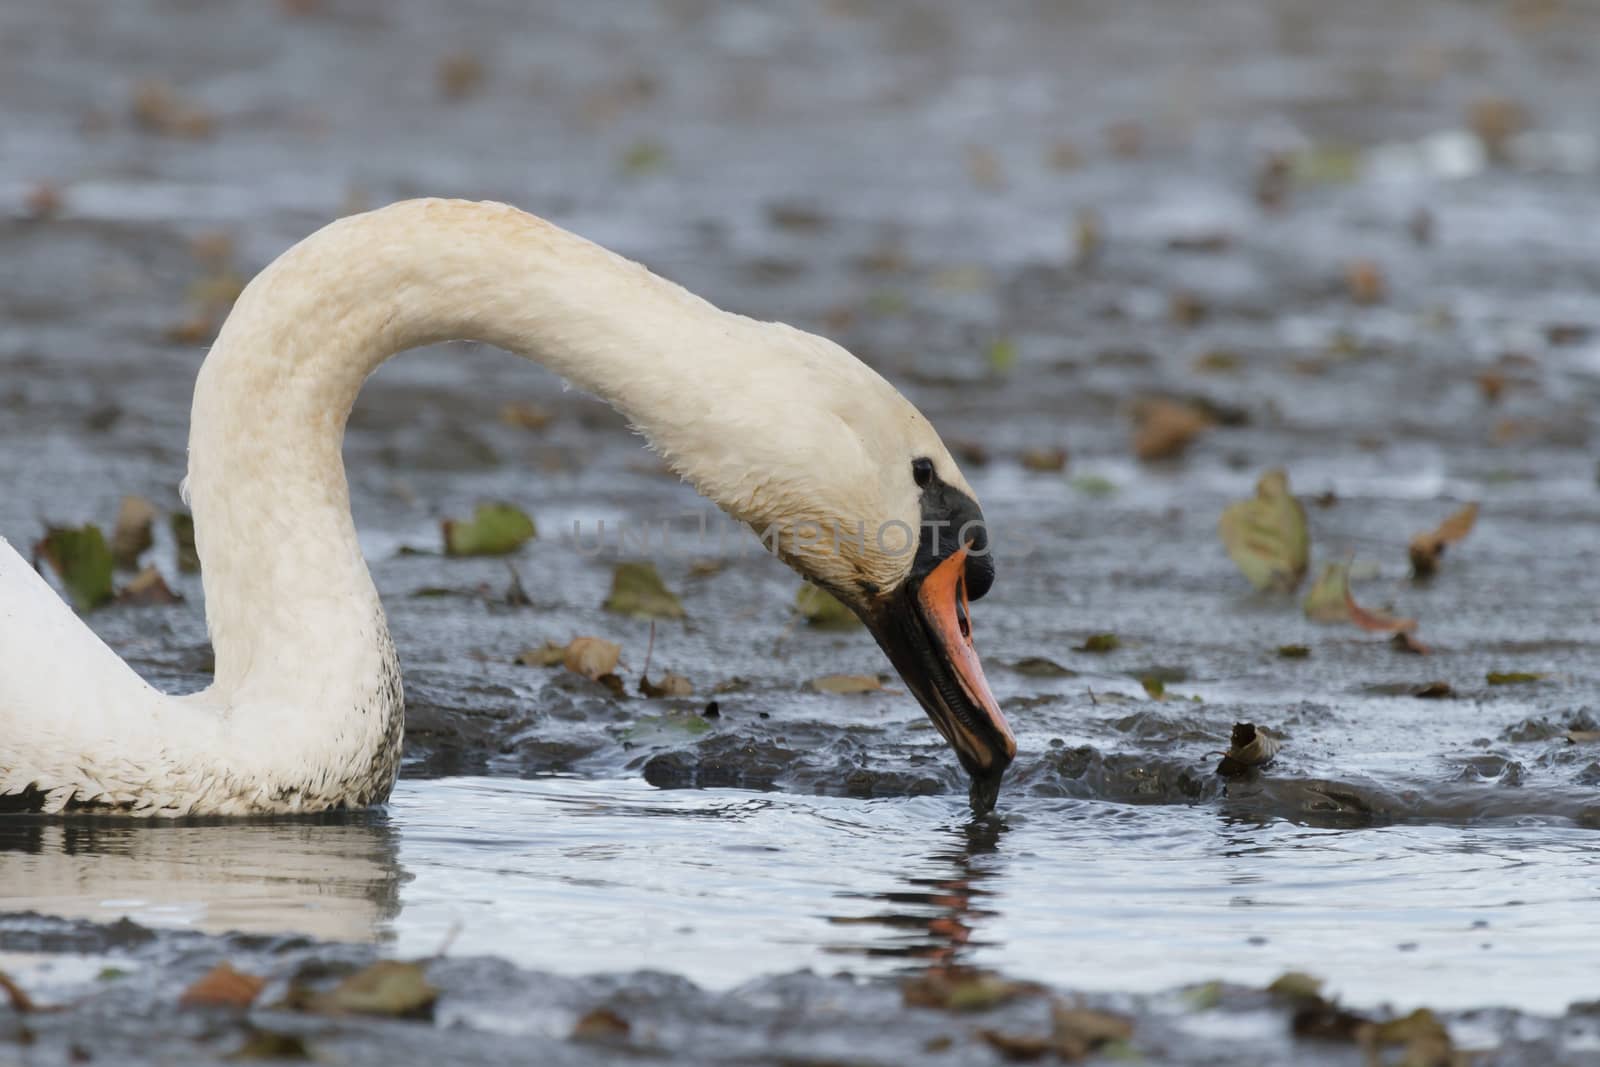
{"type": "Point", "coordinates": [292, 611]}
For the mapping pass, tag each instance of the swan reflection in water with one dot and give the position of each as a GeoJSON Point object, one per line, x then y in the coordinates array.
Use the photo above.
{"type": "Point", "coordinates": [335, 877]}
{"type": "Point", "coordinates": [935, 917]}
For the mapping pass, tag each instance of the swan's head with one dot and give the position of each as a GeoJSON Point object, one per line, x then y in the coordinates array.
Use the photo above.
{"type": "Point", "coordinates": [849, 483]}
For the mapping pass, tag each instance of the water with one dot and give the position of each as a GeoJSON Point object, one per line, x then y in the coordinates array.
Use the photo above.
{"type": "Point", "coordinates": [726, 886]}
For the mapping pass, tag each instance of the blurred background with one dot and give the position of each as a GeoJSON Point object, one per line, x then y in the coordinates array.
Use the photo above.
{"type": "Point", "coordinates": [1126, 254]}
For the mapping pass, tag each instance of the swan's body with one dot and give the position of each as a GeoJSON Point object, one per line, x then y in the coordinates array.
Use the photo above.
{"type": "Point", "coordinates": [780, 428]}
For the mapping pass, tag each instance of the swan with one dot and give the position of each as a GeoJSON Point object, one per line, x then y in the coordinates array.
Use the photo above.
{"type": "Point", "coordinates": [785, 431]}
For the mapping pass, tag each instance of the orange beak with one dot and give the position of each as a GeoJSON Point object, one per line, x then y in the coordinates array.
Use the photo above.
{"type": "Point", "coordinates": [926, 631]}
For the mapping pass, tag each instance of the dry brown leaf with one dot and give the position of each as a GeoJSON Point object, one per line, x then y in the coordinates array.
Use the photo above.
{"type": "Point", "coordinates": [223, 987]}
{"type": "Point", "coordinates": [1407, 642]}
{"type": "Point", "coordinates": [1266, 536]}
{"type": "Point", "coordinates": [1044, 460]}
{"type": "Point", "coordinates": [131, 535]}
{"type": "Point", "coordinates": [670, 685]}
{"type": "Point", "coordinates": [592, 657]}
{"type": "Point", "coordinates": [1019, 1048]}
{"type": "Point", "coordinates": [394, 988]}
{"type": "Point", "coordinates": [44, 201]}
{"type": "Point", "coordinates": [1363, 280]}
{"type": "Point", "coordinates": [961, 989]}
{"type": "Point", "coordinates": [1496, 120]}
{"type": "Point", "coordinates": [526, 416]}
{"type": "Point", "coordinates": [600, 1024]}
{"type": "Point", "coordinates": [1250, 746]}
{"type": "Point", "coordinates": [148, 587]}
{"type": "Point", "coordinates": [846, 683]}
{"type": "Point", "coordinates": [1582, 737]}
{"type": "Point", "coordinates": [158, 108]}
{"type": "Point", "coordinates": [1433, 691]}
{"type": "Point", "coordinates": [20, 1001]}
{"type": "Point", "coordinates": [460, 75]}
{"type": "Point", "coordinates": [1164, 428]}
{"type": "Point", "coordinates": [549, 654]}
{"type": "Point", "coordinates": [1374, 621]}
{"type": "Point", "coordinates": [1075, 1032]}
{"type": "Point", "coordinates": [1426, 548]}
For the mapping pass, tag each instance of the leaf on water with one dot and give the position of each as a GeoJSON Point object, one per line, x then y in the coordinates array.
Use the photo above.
{"type": "Point", "coordinates": [1093, 485]}
{"type": "Point", "coordinates": [1154, 688]}
{"type": "Point", "coordinates": [1075, 1032]}
{"type": "Point", "coordinates": [1019, 1048]}
{"type": "Point", "coordinates": [846, 683]}
{"type": "Point", "coordinates": [670, 685]}
{"type": "Point", "coordinates": [1513, 677]}
{"type": "Point", "coordinates": [1044, 460]}
{"type": "Point", "coordinates": [393, 988]}
{"type": "Point", "coordinates": [1426, 548]}
{"type": "Point", "coordinates": [1327, 600]}
{"type": "Point", "coordinates": [1363, 280]}
{"type": "Point", "coordinates": [592, 657]}
{"type": "Point", "coordinates": [182, 524]}
{"type": "Point", "coordinates": [1296, 986]}
{"type": "Point", "coordinates": [1042, 667]}
{"type": "Point", "coordinates": [494, 530]}
{"type": "Point", "coordinates": [223, 987]}
{"type": "Point", "coordinates": [1293, 652]}
{"type": "Point", "coordinates": [459, 76]}
{"type": "Point", "coordinates": [549, 654]}
{"type": "Point", "coordinates": [1433, 691]}
{"type": "Point", "coordinates": [600, 1024]}
{"type": "Point", "coordinates": [1426, 1041]}
{"type": "Point", "coordinates": [1002, 355]}
{"type": "Point", "coordinates": [158, 108]}
{"type": "Point", "coordinates": [1099, 643]}
{"type": "Point", "coordinates": [1164, 428]}
{"type": "Point", "coordinates": [131, 535]}
{"type": "Point", "coordinates": [823, 610]}
{"type": "Point", "coordinates": [1250, 746]}
{"type": "Point", "coordinates": [644, 157]}
{"type": "Point", "coordinates": [1582, 737]}
{"type": "Point", "coordinates": [1266, 536]}
{"type": "Point", "coordinates": [637, 590]}
{"type": "Point", "coordinates": [148, 587]}
{"type": "Point", "coordinates": [960, 989]}
{"type": "Point", "coordinates": [1374, 621]}
{"type": "Point", "coordinates": [82, 560]}
{"type": "Point", "coordinates": [1407, 643]}
{"type": "Point", "coordinates": [261, 1044]}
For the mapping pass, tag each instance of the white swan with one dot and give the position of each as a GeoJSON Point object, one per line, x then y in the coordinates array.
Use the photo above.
{"type": "Point", "coordinates": [785, 431]}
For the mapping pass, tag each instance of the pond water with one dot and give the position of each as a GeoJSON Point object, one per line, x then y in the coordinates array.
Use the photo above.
{"type": "Point", "coordinates": [725, 886]}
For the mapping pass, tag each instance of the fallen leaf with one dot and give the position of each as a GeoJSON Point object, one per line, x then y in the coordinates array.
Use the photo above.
{"type": "Point", "coordinates": [493, 530]}
{"type": "Point", "coordinates": [1044, 460]}
{"type": "Point", "coordinates": [526, 416]}
{"type": "Point", "coordinates": [1002, 355]}
{"type": "Point", "coordinates": [148, 587]}
{"type": "Point", "coordinates": [1250, 746]}
{"type": "Point", "coordinates": [1496, 120]}
{"type": "Point", "coordinates": [394, 988]}
{"type": "Point", "coordinates": [1406, 642]}
{"type": "Point", "coordinates": [1266, 536]}
{"type": "Point", "coordinates": [959, 989]}
{"type": "Point", "coordinates": [1093, 485]}
{"type": "Point", "coordinates": [1426, 548]}
{"type": "Point", "coordinates": [670, 685]}
{"type": "Point", "coordinates": [182, 525]}
{"type": "Point", "coordinates": [644, 157]}
{"type": "Point", "coordinates": [1163, 429]}
{"type": "Point", "coordinates": [1326, 600]}
{"type": "Point", "coordinates": [1293, 652]}
{"type": "Point", "coordinates": [1363, 280]}
{"type": "Point", "coordinates": [1512, 677]}
{"type": "Point", "coordinates": [82, 560]}
{"type": "Point", "coordinates": [1568, 333]}
{"type": "Point", "coordinates": [262, 1044]}
{"type": "Point", "coordinates": [43, 201]}
{"type": "Point", "coordinates": [707, 568]}
{"type": "Point", "coordinates": [1582, 737]}
{"type": "Point", "coordinates": [1323, 1020]}
{"type": "Point", "coordinates": [600, 1024]}
{"type": "Point", "coordinates": [1075, 1032]}
{"type": "Point", "coordinates": [1099, 643]}
{"type": "Point", "coordinates": [592, 657]}
{"type": "Point", "coordinates": [1187, 309]}
{"type": "Point", "coordinates": [1426, 1041]}
{"type": "Point", "coordinates": [158, 108]}
{"type": "Point", "coordinates": [637, 590]}
{"type": "Point", "coordinates": [131, 535]}
{"type": "Point", "coordinates": [223, 987]}
{"type": "Point", "coordinates": [823, 610]}
{"type": "Point", "coordinates": [1154, 688]}
{"type": "Point", "coordinates": [1217, 361]}
{"type": "Point", "coordinates": [549, 654]}
{"type": "Point", "coordinates": [1019, 1048]}
{"type": "Point", "coordinates": [460, 75]}
{"type": "Point", "coordinates": [1433, 691]}
{"type": "Point", "coordinates": [1296, 986]}
{"type": "Point", "coordinates": [1040, 667]}
{"type": "Point", "coordinates": [1374, 621]}
{"type": "Point", "coordinates": [846, 683]}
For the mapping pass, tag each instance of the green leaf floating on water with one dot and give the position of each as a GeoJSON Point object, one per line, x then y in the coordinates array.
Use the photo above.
{"type": "Point", "coordinates": [672, 723]}
{"type": "Point", "coordinates": [82, 560]}
{"type": "Point", "coordinates": [823, 610]}
{"type": "Point", "coordinates": [637, 590]}
{"type": "Point", "coordinates": [1266, 536]}
{"type": "Point", "coordinates": [1513, 677]}
{"type": "Point", "coordinates": [494, 530]}
{"type": "Point", "coordinates": [392, 988]}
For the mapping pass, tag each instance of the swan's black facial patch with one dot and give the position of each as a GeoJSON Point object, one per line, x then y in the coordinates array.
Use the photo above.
{"type": "Point", "coordinates": [949, 519]}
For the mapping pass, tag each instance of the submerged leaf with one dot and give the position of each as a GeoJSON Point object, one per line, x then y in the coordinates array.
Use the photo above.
{"type": "Point", "coordinates": [223, 987]}
{"type": "Point", "coordinates": [846, 683]}
{"type": "Point", "coordinates": [1266, 536]}
{"type": "Point", "coordinates": [493, 530]}
{"type": "Point", "coordinates": [637, 590]}
{"type": "Point", "coordinates": [82, 560]}
{"type": "Point", "coordinates": [1513, 677]}
{"type": "Point", "coordinates": [393, 988]}
{"type": "Point", "coordinates": [823, 610]}
{"type": "Point", "coordinates": [1426, 548]}
{"type": "Point", "coordinates": [1250, 746]}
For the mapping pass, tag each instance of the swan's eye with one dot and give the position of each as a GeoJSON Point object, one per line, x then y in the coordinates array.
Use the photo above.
{"type": "Point", "coordinates": [922, 471]}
